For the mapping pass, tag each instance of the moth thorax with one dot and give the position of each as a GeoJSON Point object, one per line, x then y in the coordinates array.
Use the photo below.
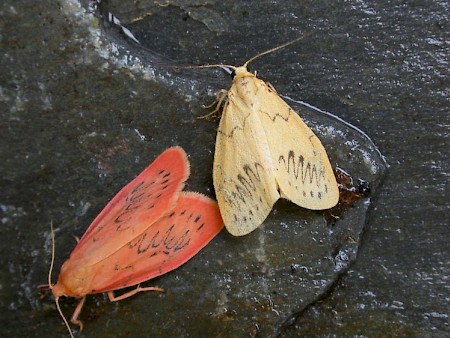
{"type": "Point", "coordinates": [72, 281]}
{"type": "Point", "coordinates": [246, 87]}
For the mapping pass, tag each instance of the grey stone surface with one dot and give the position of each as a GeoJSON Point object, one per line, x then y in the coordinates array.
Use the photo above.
{"type": "Point", "coordinates": [84, 110]}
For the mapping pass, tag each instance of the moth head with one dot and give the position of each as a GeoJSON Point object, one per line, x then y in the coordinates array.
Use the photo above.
{"type": "Point", "coordinates": [240, 72]}
{"type": "Point", "coordinates": [72, 282]}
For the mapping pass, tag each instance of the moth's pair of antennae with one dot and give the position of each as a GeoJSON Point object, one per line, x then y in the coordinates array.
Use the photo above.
{"type": "Point", "coordinates": [227, 67]}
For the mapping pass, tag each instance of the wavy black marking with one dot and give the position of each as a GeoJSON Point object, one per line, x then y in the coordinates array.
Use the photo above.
{"type": "Point", "coordinates": [274, 116]}
{"type": "Point", "coordinates": [134, 201]}
{"type": "Point", "coordinates": [244, 187]}
{"type": "Point", "coordinates": [247, 181]}
{"type": "Point", "coordinates": [297, 166]}
{"type": "Point", "coordinates": [126, 267]}
{"type": "Point", "coordinates": [167, 242]}
{"type": "Point", "coordinates": [236, 127]}
{"type": "Point", "coordinates": [141, 194]}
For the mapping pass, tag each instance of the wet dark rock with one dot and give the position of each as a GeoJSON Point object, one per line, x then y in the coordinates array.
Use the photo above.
{"type": "Point", "coordinates": [85, 109]}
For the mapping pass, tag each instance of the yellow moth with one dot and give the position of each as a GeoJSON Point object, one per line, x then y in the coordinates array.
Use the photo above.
{"type": "Point", "coordinates": [265, 151]}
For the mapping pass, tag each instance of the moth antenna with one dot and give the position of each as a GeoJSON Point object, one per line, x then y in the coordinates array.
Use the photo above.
{"type": "Point", "coordinates": [50, 285]}
{"type": "Point", "coordinates": [64, 318]}
{"type": "Point", "coordinates": [53, 256]}
{"type": "Point", "coordinates": [224, 67]}
{"type": "Point", "coordinates": [274, 49]}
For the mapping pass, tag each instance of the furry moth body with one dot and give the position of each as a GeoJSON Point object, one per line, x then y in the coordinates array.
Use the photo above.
{"type": "Point", "coordinates": [265, 151]}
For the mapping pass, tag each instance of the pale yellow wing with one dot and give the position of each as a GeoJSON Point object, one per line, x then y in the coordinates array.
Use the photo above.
{"type": "Point", "coordinates": [302, 168]}
{"type": "Point", "coordinates": [243, 172]}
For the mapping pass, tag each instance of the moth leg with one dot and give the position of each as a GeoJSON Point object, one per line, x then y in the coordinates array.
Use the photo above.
{"type": "Point", "coordinates": [113, 298]}
{"type": "Point", "coordinates": [220, 97]}
{"type": "Point", "coordinates": [76, 313]}
{"type": "Point", "coordinates": [43, 288]}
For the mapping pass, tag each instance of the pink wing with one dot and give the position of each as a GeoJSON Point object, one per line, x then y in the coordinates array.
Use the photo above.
{"type": "Point", "coordinates": [164, 246]}
{"type": "Point", "coordinates": [136, 207]}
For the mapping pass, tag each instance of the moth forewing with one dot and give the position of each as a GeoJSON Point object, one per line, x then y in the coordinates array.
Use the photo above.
{"type": "Point", "coordinates": [141, 202]}
{"type": "Point", "coordinates": [302, 169]}
{"type": "Point", "coordinates": [242, 174]}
